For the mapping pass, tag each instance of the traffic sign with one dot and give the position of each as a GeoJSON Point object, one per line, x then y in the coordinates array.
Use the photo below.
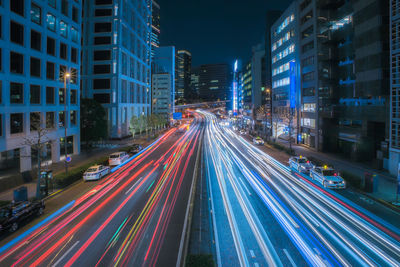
{"type": "Point", "coordinates": [68, 159]}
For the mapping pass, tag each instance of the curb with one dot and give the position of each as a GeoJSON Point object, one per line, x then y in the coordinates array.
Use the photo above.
{"type": "Point", "coordinates": [381, 201]}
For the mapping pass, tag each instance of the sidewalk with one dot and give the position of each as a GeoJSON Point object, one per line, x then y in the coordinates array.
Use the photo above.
{"type": "Point", "coordinates": [77, 160]}
{"type": "Point", "coordinates": [387, 184]}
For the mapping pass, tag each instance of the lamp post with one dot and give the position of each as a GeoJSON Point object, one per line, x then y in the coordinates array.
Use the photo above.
{"type": "Point", "coordinates": [67, 75]}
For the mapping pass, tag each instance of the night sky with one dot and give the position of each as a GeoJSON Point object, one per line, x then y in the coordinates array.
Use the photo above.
{"type": "Point", "coordinates": [215, 31]}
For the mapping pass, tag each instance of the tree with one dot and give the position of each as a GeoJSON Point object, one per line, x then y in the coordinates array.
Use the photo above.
{"type": "Point", "coordinates": [134, 125]}
{"type": "Point", "coordinates": [37, 141]}
{"type": "Point", "coordinates": [142, 121]}
{"type": "Point", "coordinates": [93, 121]}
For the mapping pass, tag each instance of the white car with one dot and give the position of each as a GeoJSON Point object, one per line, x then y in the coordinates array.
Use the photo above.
{"type": "Point", "coordinates": [117, 158]}
{"type": "Point", "coordinates": [328, 177]}
{"type": "Point", "coordinates": [301, 164]}
{"type": "Point", "coordinates": [242, 132]}
{"type": "Point", "coordinates": [96, 172]}
{"type": "Point", "coordinates": [258, 141]}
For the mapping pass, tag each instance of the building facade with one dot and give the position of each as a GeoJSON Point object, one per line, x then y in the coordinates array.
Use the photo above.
{"type": "Point", "coordinates": [271, 17]}
{"type": "Point", "coordinates": [247, 88]}
{"type": "Point", "coordinates": [394, 148]}
{"type": "Point", "coordinates": [344, 77]}
{"type": "Point", "coordinates": [155, 27]}
{"type": "Point", "coordinates": [184, 69]}
{"type": "Point", "coordinates": [117, 60]}
{"type": "Point", "coordinates": [285, 72]}
{"type": "Point", "coordinates": [163, 64]}
{"type": "Point", "coordinates": [161, 87]}
{"type": "Point", "coordinates": [215, 82]}
{"type": "Point", "coordinates": [257, 84]}
{"type": "Point", "coordinates": [195, 81]}
{"type": "Point", "coordinates": [39, 45]}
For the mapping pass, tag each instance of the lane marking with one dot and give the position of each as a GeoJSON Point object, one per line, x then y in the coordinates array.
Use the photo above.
{"type": "Point", "coordinates": [289, 257]}
{"type": "Point", "coordinates": [133, 186]}
{"type": "Point", "coordinates": [252, 253]}
{"type": "Point", "coordinates": [66, 253]}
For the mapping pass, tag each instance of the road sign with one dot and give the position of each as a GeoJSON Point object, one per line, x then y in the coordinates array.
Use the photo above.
{"type": "Point", "coordinates": [68, 159]}
{"type": "Point", "coordinates": [177, 115]}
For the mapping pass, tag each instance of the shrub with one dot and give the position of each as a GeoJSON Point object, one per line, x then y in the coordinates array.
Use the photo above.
{"type": "Point", "coordinates": [202, 260]}
{"type": "Point", "coordinates": [282, 148]}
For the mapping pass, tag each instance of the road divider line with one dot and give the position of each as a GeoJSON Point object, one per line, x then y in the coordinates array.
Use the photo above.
{"type": "Point", "coordinates": [289, 257]}
{"type": "Point", "coordinates": [66, 253]}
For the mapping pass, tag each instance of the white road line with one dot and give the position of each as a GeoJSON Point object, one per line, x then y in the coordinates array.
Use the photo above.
{"type": "Point", "coordinates": [289, 257]}
{"type": "Point", "coordinates": [252, 253]}
{"type": "Point", "coordinates": [256, 264]}
{"type": "Point", "coordinates": [66, 253]}
{"type": "Point", "coordinates": [130, 189]}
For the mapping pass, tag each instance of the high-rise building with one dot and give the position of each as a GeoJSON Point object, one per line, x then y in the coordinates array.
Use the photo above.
{"type": "Point", "coordinates": [341, 58]}
{"type": "Point", "coordinates": [195, 81]}
{"type": "Point", "coordinates": [247, 88]}
{"type": "Point", "coordinates": [257, 85]}
{"type": "Point", "coordinates": [183, 71]}
{"type": "Point", "coordinates": [155, 27]}
{"type": "Point", "coordinates": [271, 17]}
{"type": "Point", "coordinates": [163, 80]}
{"type": "Point", "coordinates": [394, 148]}
{"type": "Point", "coordinates": [285, 72]}
{"type": "Point", "coordinates": [345, 77]}
{"type": "Point", "coordinates": [116, 61]}
{"type": "Point", "coordinates": [39, 46]}
{"type": "Point", "coordinates": [215, 82]}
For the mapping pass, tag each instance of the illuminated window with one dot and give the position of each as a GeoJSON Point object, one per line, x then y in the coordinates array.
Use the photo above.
{"type": "Point", "coordinates": [51, 22]}
{"type": "Point", "coordinates": [63, 29]}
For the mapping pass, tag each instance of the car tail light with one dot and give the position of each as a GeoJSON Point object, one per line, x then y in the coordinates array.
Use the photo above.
{"type": "Point", "coordinates": [308, 161]}
{"type": "Point", "coordinates": [335, 174]}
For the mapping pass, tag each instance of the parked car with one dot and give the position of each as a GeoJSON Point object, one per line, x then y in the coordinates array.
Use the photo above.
{"type": "Point", "coordinates": [328, 177]}
{"type": "Point", "coordinates": [96, 172]}
{"type": "Point", "coordinates": [258, 141]}
{"type": "Point", "coordinates": [301, 164]}
{"type": "Point", "coordinates": [12, 216]}
{"type": "Point", "coordinates": [242, 132]}
{"type": "Point", "coordinates": [117, 158]}
{"type": "Point", "coordinates": [136, 148]}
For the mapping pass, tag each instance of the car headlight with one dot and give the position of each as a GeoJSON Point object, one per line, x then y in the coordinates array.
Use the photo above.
{"type": "Point", "coordinates": [331, 182]}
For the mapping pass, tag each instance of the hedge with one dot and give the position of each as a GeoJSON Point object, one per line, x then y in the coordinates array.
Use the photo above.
{"type": "Point", "coordinates": [63, 180]}
{"type": "Point", "coordinates": [4, 203]}
{"type": "Point", "coordinates": [353, 180]}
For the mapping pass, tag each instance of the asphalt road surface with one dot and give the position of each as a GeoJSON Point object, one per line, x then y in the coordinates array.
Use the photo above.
{"type": "Point", "coordinates": [265, 214]}
{"type": "Point", "coordinates": [133, 217]}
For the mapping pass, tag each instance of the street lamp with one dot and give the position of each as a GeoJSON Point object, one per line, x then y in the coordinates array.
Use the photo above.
{"type": "Point", "coordinates": [67, 75]}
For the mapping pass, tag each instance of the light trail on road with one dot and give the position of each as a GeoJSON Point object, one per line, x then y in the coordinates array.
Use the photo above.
{"type": "Point", "coordinates": [325, 229]}
{"type": "Point", "coordinates": [131, 217]}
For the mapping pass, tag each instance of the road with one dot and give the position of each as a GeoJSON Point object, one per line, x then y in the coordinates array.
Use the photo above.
{"type": "Point", "coordinates": [265, 214]}
{"type": "Point", "coordinates": [133, 217]}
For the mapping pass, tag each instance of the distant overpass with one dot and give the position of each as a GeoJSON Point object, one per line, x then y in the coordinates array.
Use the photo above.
{"type": "Point", "coordinates": [202, 105]}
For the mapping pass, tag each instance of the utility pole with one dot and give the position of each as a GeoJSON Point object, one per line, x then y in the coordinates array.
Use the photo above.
{"type": "Point", "coordinates": [291, 111]}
